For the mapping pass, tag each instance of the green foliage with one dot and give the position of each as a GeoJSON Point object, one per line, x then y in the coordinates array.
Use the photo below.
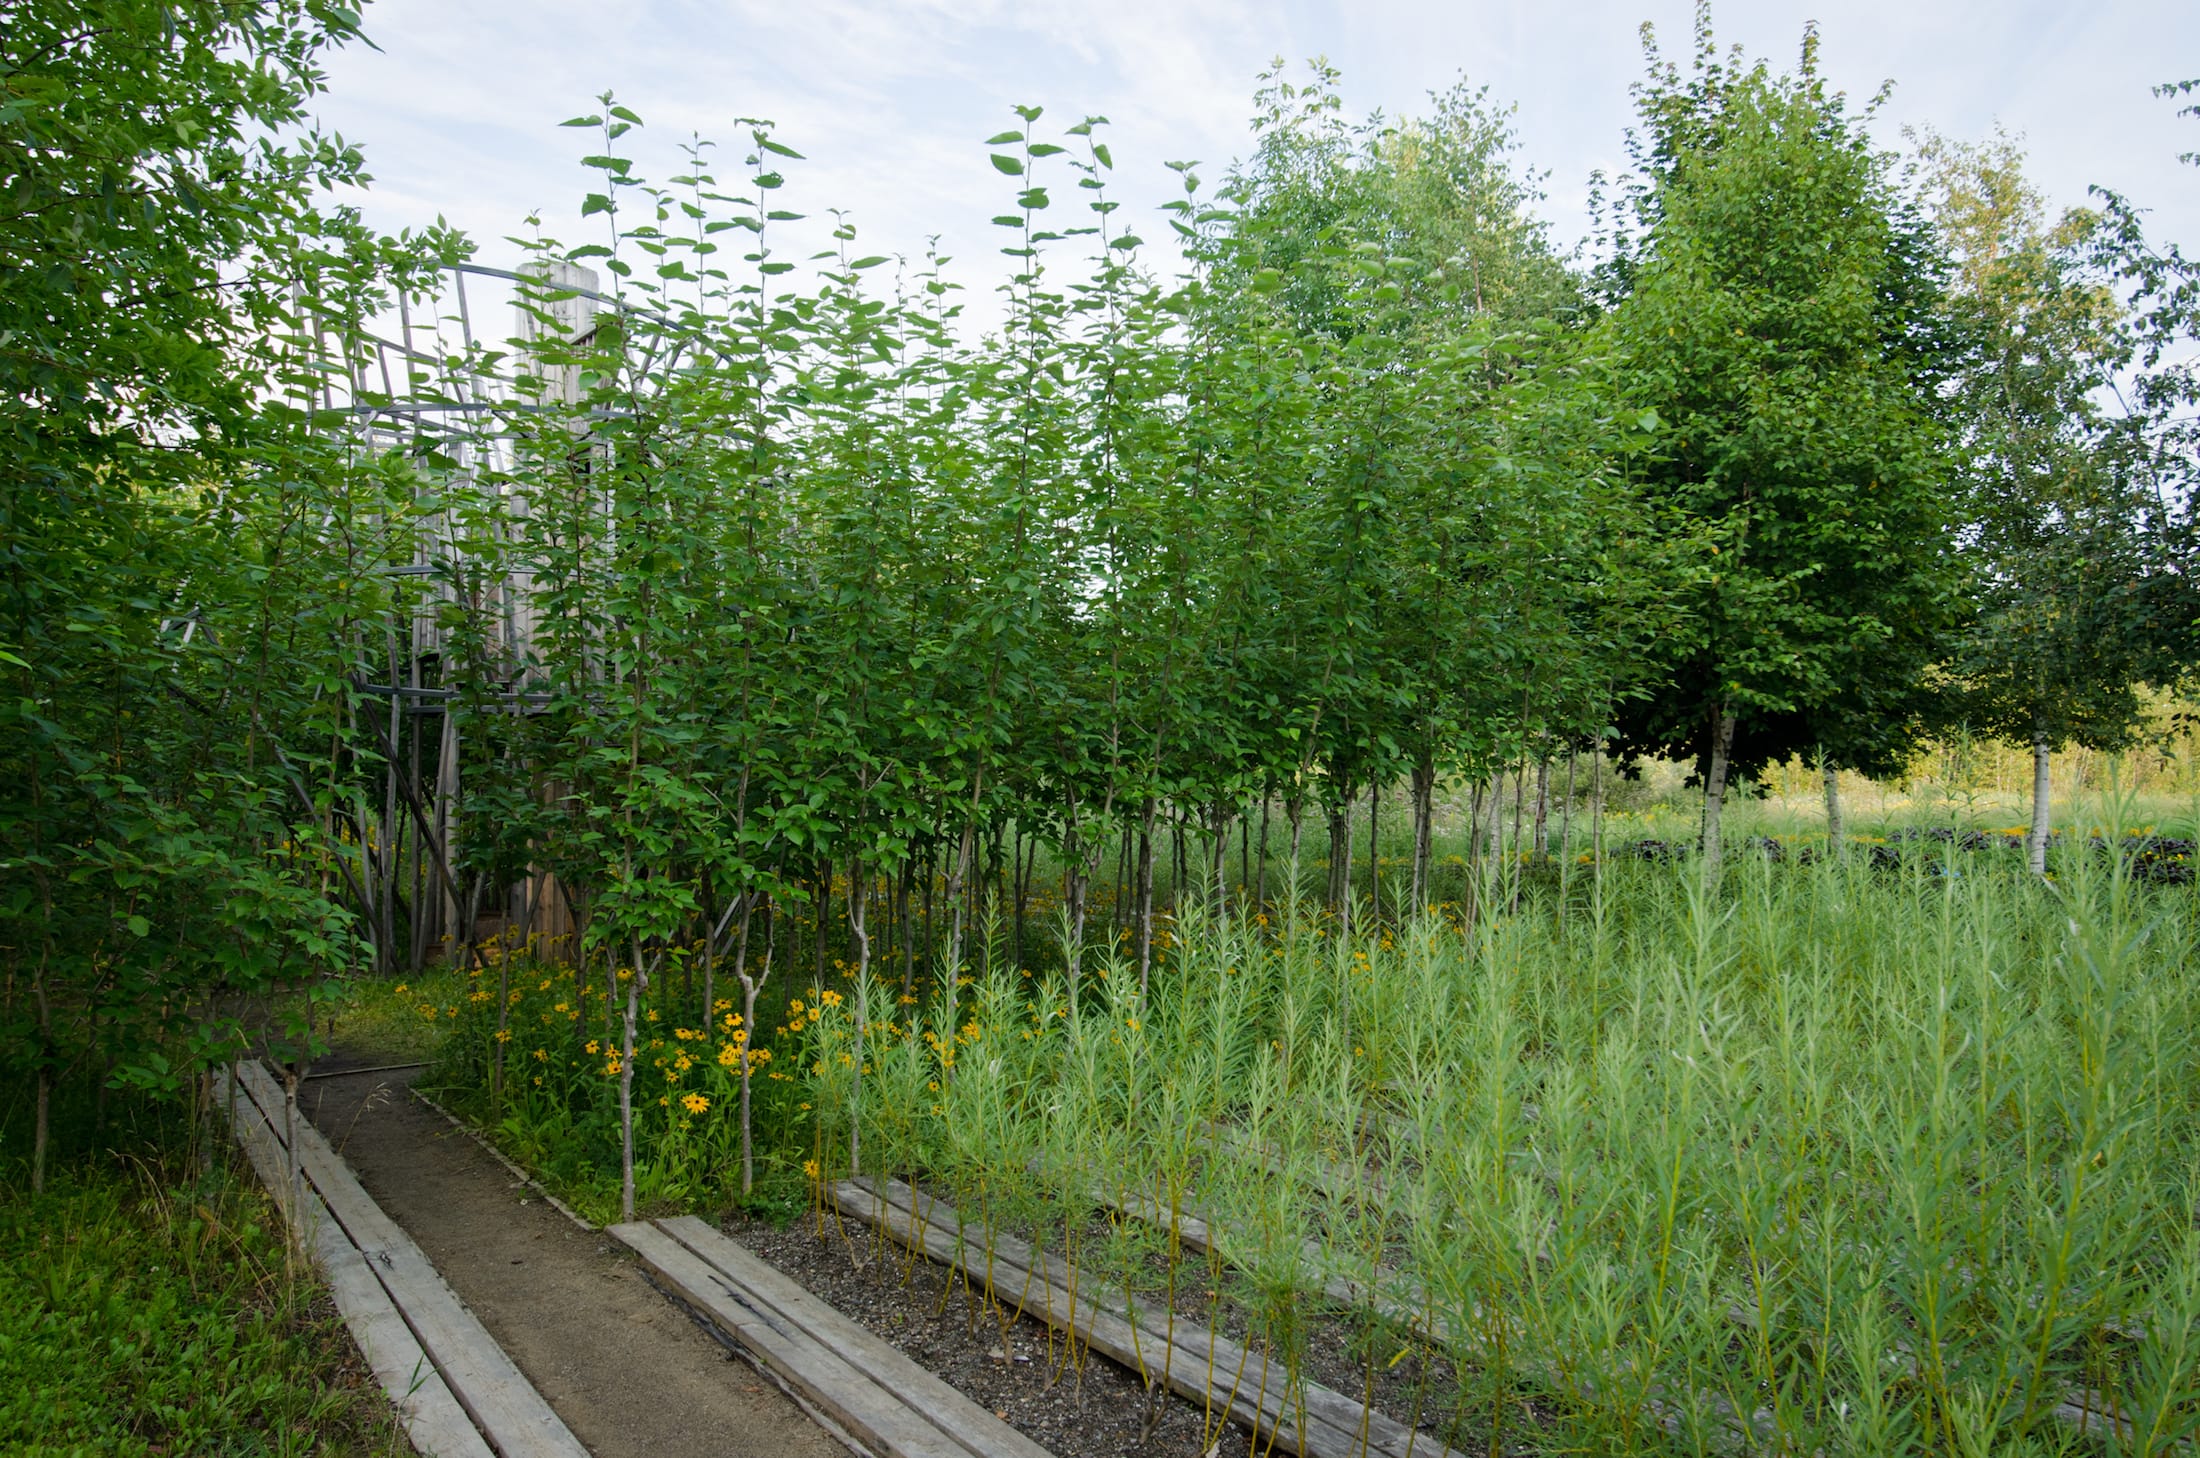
{"type": "Point", "coordinates": [145, 1310]}
{"type": "Point", "coordinates": [1774, 301]}
{"type": "Point", "coordinates": [179, 548]}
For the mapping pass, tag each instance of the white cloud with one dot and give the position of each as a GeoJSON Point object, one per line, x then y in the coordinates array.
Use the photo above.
{"type": "Point", "coordinates": [890, 101]}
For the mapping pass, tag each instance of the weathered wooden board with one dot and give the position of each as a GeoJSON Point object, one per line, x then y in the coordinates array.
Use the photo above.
{"type": "Point", "coordinates": [875, 1418]}
{"type": "Point", "coordinates": [1192, 1360]}
{"type": "Point", "coordinates": [433, 1418]}
{"type": "Point", "coordinates": [503, 1404]}
{"type": "Point", "coordinates": [962, 1419]}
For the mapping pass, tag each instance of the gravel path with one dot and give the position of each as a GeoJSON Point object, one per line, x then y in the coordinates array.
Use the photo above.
{"type": "Point", "coordinates": [629, 1373]}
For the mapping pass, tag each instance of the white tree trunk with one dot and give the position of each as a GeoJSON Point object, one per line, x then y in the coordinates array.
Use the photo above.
{"type": "Point", "coordinates": [1836, 826]}
{"type": "Point", "coordinates": [2035, 843]}
{"type": "Point", "coordinates": [1714, 791]}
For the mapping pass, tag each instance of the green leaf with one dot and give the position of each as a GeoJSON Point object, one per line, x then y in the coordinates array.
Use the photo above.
{"type": "Point", "coordinates": [582, 121]}
{"type": "Point", "coordinates": [1101, 155]}
{"type": "Point", "coordinates": [871, 262]}
{"type": "Point", "coordinates": [1004, 139]}
{"type": "Point", "coordinates": [1008, 165]}
{"type": "Point", "coordinates": [139, 926]}
{"type": "Point", "coordinates": [771, 146]}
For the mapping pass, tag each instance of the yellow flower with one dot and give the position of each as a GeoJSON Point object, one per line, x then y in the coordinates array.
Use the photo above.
{"type": "Point", "coordinates": [809, 1167]}
{"type": "Point", "coordinates": [829, 997]}
{"type": "Point", "coordinates": [541, 1057]}
{"type": "Point", "coordinates": [694, 1103]}
{"type": "Point", "coordinates": [592, 1046]}
{"type": "Point", "coordinates": [652, 1015]}
{"type": "Point", "coordinates": [402, 989]}
{"type": "Point", "coordinates": [504, 1035]}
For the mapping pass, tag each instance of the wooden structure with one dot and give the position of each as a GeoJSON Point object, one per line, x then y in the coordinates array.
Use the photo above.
{"type": "Point", "coordinates": [438, 392]}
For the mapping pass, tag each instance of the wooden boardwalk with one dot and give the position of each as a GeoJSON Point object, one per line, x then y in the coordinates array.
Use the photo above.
{"type": "Point", "coordinates": [867, 1389]}
{"type": "Point", "coordinates": [456, 1391]}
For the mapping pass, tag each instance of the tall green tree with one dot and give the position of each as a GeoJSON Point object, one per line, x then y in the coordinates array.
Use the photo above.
{"type": "Point", "coordinates": [1775, 302]}
{"type": "Point", "coordinates": [2057, 533]}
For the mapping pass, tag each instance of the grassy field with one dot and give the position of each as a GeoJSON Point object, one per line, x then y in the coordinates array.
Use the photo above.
{"type": "Point", "coordinates": [149, 1308]}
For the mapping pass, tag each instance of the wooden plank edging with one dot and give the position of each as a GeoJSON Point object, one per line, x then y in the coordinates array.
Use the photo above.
{"type": "Point", "coordinates": [873, 1420]}
{"type": "Point", "coordinates": [434, 1419]}
{"type": "Point", "coordinates": [1194, 1361]}
{"type": "Point", "coordinates": [960, 1417]}
{"type": "Point", "coordinates": [506, 1409]}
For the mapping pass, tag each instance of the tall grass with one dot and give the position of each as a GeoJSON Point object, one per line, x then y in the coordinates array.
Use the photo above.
{"type": "Point", "coordinates": [1829, 1158]}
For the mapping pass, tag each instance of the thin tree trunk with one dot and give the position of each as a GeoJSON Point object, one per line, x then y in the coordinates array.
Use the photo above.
{"type": "Point", "coordinates": [1374, 849]}
{"type": "Point", "coordinates": [931, 946]}
{"type": "Point", "coordinates": [1245, 857]}
{"type": "Point", "coordinates": [1179, 868]}
{"type": "Point", "coordinates": [1424, 816]}
{"type": "Point", "coordinates": [1260, 867]}
{"type": "Point", "coordinates": [750, 986]}
{"type": "Point", "coordinates": [1219, 867]}
{"type": "Point", "coordinates": [1714, 790]}
{"type": "Point", "coordinates": [908, 939]}
{"type": "Point", "coordinates": [1144, 894]}
{"type": "Point", "coordinates": [1566, 838]}
{"type": "Point", "coordinates": [965, 849]}
{"type": "Point", "coordinates": [1543, 807]}
{"type": "Point", "coordinates": [626, 1084]}
{"type": "Point", "coordinates": [2043, 790]}
{"type": "Point", "coordinates": [1073, 905]}
{"type": "Point", "coordinates": [1340, 856]}
{"type": "Point", "coordinates": [859, 894]}
{"type": "Point", "coordinates": [1836, 826]}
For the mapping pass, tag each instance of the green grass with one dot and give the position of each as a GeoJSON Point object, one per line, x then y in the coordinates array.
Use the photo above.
{"type": "Point", "coordinates": [148, 1310]}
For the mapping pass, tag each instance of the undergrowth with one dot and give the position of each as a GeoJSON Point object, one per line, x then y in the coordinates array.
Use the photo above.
{"type": "Point", "coordinates": [151, 1308]}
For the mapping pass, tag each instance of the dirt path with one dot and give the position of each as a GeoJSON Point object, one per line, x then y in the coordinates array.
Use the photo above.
{"type": "Point", "coordinates": [629, 1372]}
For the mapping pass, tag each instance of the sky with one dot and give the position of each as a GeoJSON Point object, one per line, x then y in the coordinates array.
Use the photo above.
{"type": "Point", "coordinates": [890, 100]}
